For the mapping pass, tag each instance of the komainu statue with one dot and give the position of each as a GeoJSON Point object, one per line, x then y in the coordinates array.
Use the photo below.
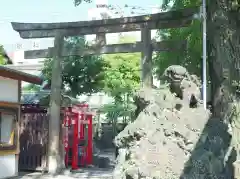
{"type": "Point", "coordinates": [173, 136]}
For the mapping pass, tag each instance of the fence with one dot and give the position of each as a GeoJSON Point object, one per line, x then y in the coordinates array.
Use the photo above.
{"type": "Point", "coordinates": [33, 132]}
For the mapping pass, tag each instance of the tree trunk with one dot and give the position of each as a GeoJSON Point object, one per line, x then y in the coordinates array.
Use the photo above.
{"type": "Point", "coordinates": [55, 159]}
{"type": "Point", "coordinates": [224, 51]}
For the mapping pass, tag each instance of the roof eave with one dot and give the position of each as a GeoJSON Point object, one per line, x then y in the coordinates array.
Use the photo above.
{"type": "Point", "coordinates": [18, 75]}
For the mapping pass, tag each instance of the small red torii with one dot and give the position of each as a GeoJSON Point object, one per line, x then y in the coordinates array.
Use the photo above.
{"type": "Point", "coordinates": [78, 118]}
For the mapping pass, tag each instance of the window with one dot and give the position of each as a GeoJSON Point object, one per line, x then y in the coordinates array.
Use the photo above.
{"type": "Point", "coordinates": [19, 46]}
{"type": "Point", "coordinates": [8, 129]}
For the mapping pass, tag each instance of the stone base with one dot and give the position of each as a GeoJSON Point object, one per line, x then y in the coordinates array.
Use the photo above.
{"type": "Point", "coordinates": [236, 168]}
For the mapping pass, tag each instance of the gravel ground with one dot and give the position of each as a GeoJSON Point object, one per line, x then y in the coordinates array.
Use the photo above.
{"type": "Point", "coordinates": [86, 173]}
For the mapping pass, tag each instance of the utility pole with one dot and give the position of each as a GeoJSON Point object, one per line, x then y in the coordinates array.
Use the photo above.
{"type": "Point", "coordinates": [204, 62]}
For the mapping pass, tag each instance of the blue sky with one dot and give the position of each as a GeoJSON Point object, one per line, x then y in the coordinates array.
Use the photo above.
{"type": "Point", "coordinates": [48, 11]}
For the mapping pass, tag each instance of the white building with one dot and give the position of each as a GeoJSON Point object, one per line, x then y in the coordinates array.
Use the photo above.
{"type": "Point", "coordinates": [10, 81]}
{"type": "Point", "coordinates": [99, 12]}
{"type": "Point", "coordinates": [30, 66]}
{"type": "Point", "coordinates": [102, 11]}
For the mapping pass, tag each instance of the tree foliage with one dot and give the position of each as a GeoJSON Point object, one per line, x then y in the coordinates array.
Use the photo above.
{"type": "Point", "coordinates": [80, 74]}
{"type": "Point", "coordinates": [190, 58]}
{"type": "Point", "coordinates": [31, 87]}
{"type": "Point", "coordinates": [2, 56]}
{"type": "Point", "coordinates": [78, 2]}
{"type": "Point", "coordinates": [122, 78]}
{"type": "Point", "coordinates": [123, 73]}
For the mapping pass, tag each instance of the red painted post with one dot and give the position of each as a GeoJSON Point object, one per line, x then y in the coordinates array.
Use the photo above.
{"type": "Point", "coordinates": [81, 134]}
{"type": "Point", "coordinates": [75, 142]}
{"type": "Point", "coordinates": [90, 141]}
{"type": "Point", "coordinates": [86, 147]}
{"type": "Point", "coordinates": [84, 108]}
{"type": "Point", "coordinates": [82, 119]}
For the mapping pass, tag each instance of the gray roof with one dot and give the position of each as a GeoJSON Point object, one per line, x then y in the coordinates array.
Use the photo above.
{"type": "Point", "coordinates": [95, 101]}
{"type": "Point", "coordinates": [43, 98]}
{"type": "Point", "coordinates": [19, 75]}
{"type": "Point", "coordinates": [33, 97]}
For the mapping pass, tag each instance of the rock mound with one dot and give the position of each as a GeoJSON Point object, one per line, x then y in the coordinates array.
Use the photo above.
{"type": "Point", "coordinates": [160, 142]}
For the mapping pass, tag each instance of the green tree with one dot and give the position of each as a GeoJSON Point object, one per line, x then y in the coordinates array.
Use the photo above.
{"type": "Point", "coordinates": [122, 78]}
{"type": "Point", "coordinates": [31, 87]}
{"type": "Point", "coordinates": [123, 73]}
{"type": "Point", "coordinates": [223, 36]}
{"type": "Point", "coordinates": [2, 56]}
{"type": "Point", "coordinates": [191, 57]}
{"type": "Point", "coordinates": [78, 2]}
{"type": "Point", "coordinates": [80, 74]}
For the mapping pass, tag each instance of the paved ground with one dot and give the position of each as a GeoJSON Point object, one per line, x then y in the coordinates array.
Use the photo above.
{"type": "Point", "coordinates": [85, 174]}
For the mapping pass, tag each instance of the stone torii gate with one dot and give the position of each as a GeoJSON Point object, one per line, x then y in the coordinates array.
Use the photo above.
{"type": "Point", "coordinates": [145, 23]}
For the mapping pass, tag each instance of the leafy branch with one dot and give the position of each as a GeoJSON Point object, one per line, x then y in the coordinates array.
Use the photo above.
{"type": "Point", "coordinates": [78, 2]}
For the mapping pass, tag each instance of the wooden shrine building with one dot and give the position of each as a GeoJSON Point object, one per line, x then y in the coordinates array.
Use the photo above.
{"type": "Point", "coordinates": [10, 96]}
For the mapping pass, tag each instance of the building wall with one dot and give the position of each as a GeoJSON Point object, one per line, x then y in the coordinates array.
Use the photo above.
{"type": "Point", "coordinates": [8, 160]}
{"type": "Point", "coordinates": [34, 69]}
{"type": "Point", "coordinates": [8, 90]}
{"type": "Point", "coordinates": [18, 58]}
{"type": "Point", "coordinates": [8, 167]}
